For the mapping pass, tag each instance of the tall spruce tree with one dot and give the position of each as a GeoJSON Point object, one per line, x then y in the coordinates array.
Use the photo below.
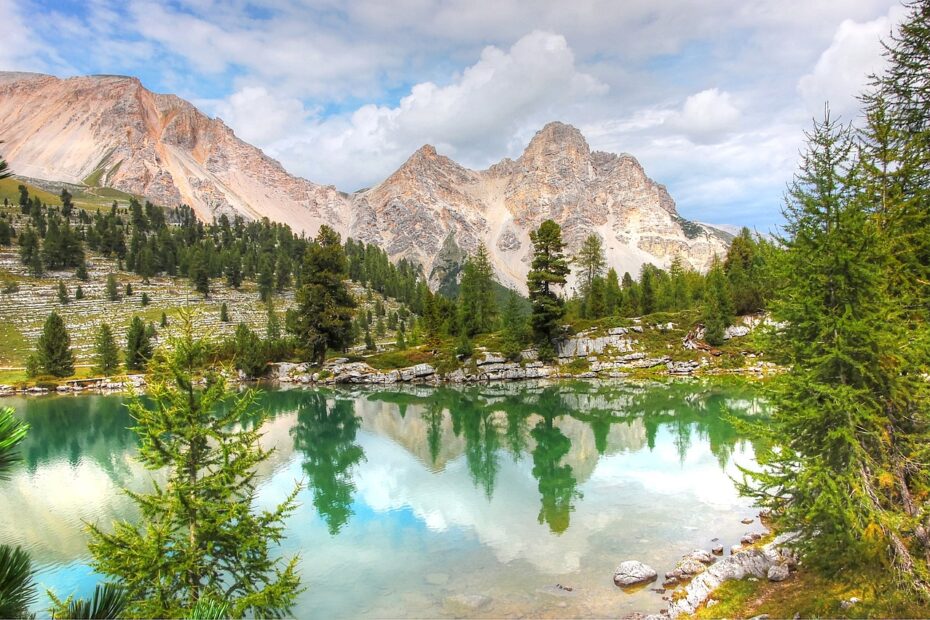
{"type": "Point", "coordinates": [112, 290]}
{"type": "Point", "coordinates": [323, 317]}
{"type": "Point", "coordinates": [106, 353]}
{"type": "Point", "coordinates": [138, 345]}
{"type": "Point", "coordinates": [54, 348]}
{"type": "Point", "coordinates": [513, 327]}
{"type": "Point", "coordinates": [546, 276]}
{"type": "Point", "coordinates": [476, 296]}
{"type": "Point", "coordinates": [590, 262]}
{"type": "Point", "coordinates": [717, 311]}
{"type": "Point", "coordinates": [846, 459]}
{"type": "Point", "coordinates": [199, 538]}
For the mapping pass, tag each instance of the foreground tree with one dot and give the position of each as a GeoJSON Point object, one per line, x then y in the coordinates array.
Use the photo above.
{"type": "Point", "coordinates": [590, 262]}
{"type": "Point", "coordinates": [17, 589]}
{"type": "Point", "coordinates": [547, 273]}
{"type": "Point", "coordinates": [323, 318]}
{"type": "Point", "coordinates": [846, 463]}
{"type": "Point", "coordinates": [54, 348]}
{"type": "Point", "coordinates": [199, 538]}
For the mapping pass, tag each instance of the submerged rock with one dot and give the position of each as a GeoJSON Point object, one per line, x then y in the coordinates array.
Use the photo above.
{"type": "Point", "coordinates": [633, 572]}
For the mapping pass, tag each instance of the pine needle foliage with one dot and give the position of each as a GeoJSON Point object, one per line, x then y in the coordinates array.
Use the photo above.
{"type": "Point", "coordinates": [198, 535]}
{"type": "Point", "coordinates": [846, 462]}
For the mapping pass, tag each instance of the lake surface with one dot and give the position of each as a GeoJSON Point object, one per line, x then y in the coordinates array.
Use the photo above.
{"type": "Point", "coordinates": [431, 502]}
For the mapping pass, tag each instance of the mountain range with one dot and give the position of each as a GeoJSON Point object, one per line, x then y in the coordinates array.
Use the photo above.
{"type": "Point", "coordinates": [110, 131]}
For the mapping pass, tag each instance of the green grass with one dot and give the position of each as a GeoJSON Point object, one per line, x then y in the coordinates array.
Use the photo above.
{"type": "Point", "coordinates": [814, 596]}
{"type": "Point", "coordinates": [8, 190]}
{"type": "Point", "coordinates": [392, 360]}
{"type": "Point", "coordinates": [93, 179]}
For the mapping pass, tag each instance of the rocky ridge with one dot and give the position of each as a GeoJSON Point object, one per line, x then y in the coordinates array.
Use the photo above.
{"type": "Point", "coordinates": [110, 131]}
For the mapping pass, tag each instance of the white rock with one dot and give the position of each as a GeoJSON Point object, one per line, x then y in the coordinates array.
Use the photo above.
{"type": "Point", "coordinates": [633, 572]}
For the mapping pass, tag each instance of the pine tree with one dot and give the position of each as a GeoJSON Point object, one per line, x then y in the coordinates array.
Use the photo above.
{"type": "Point", "coordinates": [63, 293]}
{"type": "Point", "coordinates": [369, 341]}
{"type": "Point", "coordinates": [266, 277]}
{"type": "Point", "coordinates": [138, 345]}
{"type": "Point", "coordinates": [513, 326]}
{"type": "Point", "coordinates": [81, 272]}
{"type": "Point", "coordinates": [250, 355]}
{"type": "Point", "coordinates": [591, 263]}
{"type": "Point", "coordinates": [54, 348]}
{"type": "Point", "coordinates": [200, 538]}
{"type": "Point", "coordinates": [30, 253]}
{"type": "Point", "coordinates": [744, 271]}
{"type": "Point", "coordinates": [647, 289]}
{"type": "Point", "coordinates": [476, 296]}
{"type": "Point", "coordinates": [145, 299]}
{"type": "Point", "coordinates": [106, 353]}
{"type": "Point", "coordinates": [847, 446]}
{"type": "Point", "coordinates": [164, 319]}
{"type": "Point", "coordinates": [323, 317]}
{"type": "Point", "coordinates": [17, 586]}
{"type": "Point", "coordinates": [129, 289]}
{"type": "Point", "coordinates": [112, 290]}
{"type": "Point", "coordinates": [272, 326]}
{"type": "Point", "coordinates": [717, 312]}
{"type": "Point", "coordinates": [224, 313]}
{"type": "Point", "coordinates": [613, 295]}
{"type": "Point", "coordinates": [548, 271]}
{"type": "Point", "coordinates": [79, 292]}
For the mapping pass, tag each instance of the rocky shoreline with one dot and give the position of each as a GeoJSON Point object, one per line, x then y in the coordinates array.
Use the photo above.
{"type": "Point", "coordinates": [698, 574]}
{"type": "Point", "coordinates": [611, 354]}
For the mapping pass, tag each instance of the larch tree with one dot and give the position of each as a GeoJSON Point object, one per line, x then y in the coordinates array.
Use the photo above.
{"type": "Point", "coordinates": [590, 263]}
{"type": "Point", "coordinates": [199, 539]}
{"type": "Point", "coordinates": [845, 462]}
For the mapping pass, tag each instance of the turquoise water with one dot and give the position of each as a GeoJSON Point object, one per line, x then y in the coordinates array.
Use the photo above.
{"type": "Point", "coordinates": [431, 502]}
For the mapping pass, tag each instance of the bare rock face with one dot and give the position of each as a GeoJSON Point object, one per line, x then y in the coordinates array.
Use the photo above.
{"type": "Point", "coordinates": [112, 132]}
{"type": "Point", "coordinates": [557, 177]}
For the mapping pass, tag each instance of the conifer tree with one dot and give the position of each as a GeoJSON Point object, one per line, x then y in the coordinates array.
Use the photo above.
{"type": "Point", "coordinates": [129, 290]}
{"type": "Point", "coordinates": [591, 263]}
{"type": "Point", "coordinates": [647, 289]}
{"type": "Point", "coordinates": [250, 354]}
{"type": "Point", "coordinates": [513, 326]}
{"type": "Point", "coordinates": [224, 313]}
{"type": "Point", "coordinates": [272, 325]}
{"type": "Point", "coordinates": [369, 341]}
{"type": "Point", "coordinates": [200, 538]}
{"type": "Point", "coordinates": [79, 292]}
{"type": "Point", "coordinates": [613, 295]}
{"type": "Point", "coordinates": [138, 345]}
{"type": "Point", "coordinates": [717, 312]}
{"type": "Point", "coordinates": [547, 273]}
{"type": "Point", "coordinates": [106, 353]}
{"type": "Point", "coordinates": [81, 272]}
{"type": "Point", "coordinates": [847, 456]}
{"type": "Point", "coordinates": [323, 317]}
{"type": "Point", "coordinates": [112, 290]}
{"type": "Point", "coordinates": [145, 299]}
{"type": "Point", "coordinates": [17, 586]}
{"type": "Point", "coordinates": [476, 296]}
{"type": "Point", "coordinates": [164, 319]}
{"type": "Point", "coordinates": [30, 252]}
{"type": "Point", "coordinates": [54, 348]}
{"type": "Point", "coordinates": [63, 297]}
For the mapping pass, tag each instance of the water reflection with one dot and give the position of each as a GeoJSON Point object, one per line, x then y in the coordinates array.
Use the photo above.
{"type": "Point", "coordinates": [510, 487]}
{"type": "Point", "coordinates": [325, 433]}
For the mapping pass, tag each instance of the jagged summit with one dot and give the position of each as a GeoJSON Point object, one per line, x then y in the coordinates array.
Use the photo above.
{"type": "Point", "coordinates": [112, 131]}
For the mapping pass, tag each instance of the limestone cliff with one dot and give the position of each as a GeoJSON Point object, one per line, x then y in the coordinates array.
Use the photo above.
{"type": "Point", "coordinates": [110, 131]}
{"type": "Point", "coordinates": [113, 132]}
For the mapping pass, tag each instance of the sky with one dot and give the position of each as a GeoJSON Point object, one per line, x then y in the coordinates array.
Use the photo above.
{"type": "Point", "coordinates": [712, 96]}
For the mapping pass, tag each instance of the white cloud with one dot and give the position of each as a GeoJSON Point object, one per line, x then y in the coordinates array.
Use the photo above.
{"type": "Point", "coordinates": [842, 71]}
{"type": "Point", "coordinates": [258, 116]}
{"type": "Point", "coordinates": [707, 116]}
{"type": "Point", "coordinates": [472, 118]}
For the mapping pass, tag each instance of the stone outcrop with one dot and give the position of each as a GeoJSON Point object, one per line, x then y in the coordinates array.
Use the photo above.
{"type": "Point", "coordinates": [110, 131]}
{"type": "Point", "coordinates": [754, 562]}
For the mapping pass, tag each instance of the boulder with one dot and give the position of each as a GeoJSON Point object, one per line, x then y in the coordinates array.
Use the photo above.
{"type": "Point", "coordinates": [702, 556]}
{"type": "Point", "coordinates": [632, 573]}
{"type": "Point", "coordinates": [778, 572]}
